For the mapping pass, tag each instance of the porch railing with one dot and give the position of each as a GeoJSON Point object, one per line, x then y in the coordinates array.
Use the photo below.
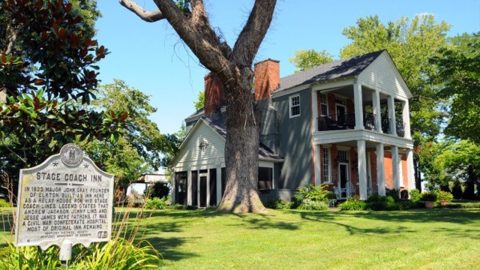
{"type": "Point", "coordinates": [347, 121]}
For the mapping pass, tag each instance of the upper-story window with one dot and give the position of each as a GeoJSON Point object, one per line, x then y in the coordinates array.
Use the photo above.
{"type": "Point", "coordinates": [323, 105]}
{"type": "Point", "coordinates": [294, 106]}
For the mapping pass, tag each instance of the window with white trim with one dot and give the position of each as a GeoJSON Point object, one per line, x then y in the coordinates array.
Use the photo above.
{"type": "Point", "coordinates": [326, 165]}
{"type": "Point", "coordinates": [323, 105]}
{"type": "Point", "coordinates": [294, 106]}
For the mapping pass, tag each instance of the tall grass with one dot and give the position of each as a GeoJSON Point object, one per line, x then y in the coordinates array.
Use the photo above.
{"type": "Point", "coordinates": [126, 249]}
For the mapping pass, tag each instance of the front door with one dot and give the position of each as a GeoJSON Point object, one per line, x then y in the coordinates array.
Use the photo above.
{"type": "Point", "coordinates": [343, 180]}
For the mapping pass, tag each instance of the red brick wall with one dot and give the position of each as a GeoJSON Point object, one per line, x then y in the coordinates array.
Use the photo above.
{"type": "Point", "coordinates": [267, 78]}
{"type": "Point", "coordinates": [388, 172]}
{"type": "Point", "coordinates": [331, 105]}
{"type": "Point", "coordinates": [214, 96]}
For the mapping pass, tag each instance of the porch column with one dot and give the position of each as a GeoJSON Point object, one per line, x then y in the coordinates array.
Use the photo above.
{"type": "Point", "coordinates": [357, 96]}
{"type": "Point", "coordinates": [314, 110]}
{"type": "Point", "coordinates": [380, 169]}
{"type": "Point", "coordinates": [410, 170]}
{"type": "Point", "coordinates": [189, 187]}
{"type": "Point", "coordinates": [316, 159]}
{"type": "Point", "coordinates": [395, 168]}
{"type": "Point", "coordinates": [406, 119]}
{"type": "Point", "coordinates": [362, 169]}
{"type": "Point", "coordinates": [377, 111]}
{"type": "Point", "coordinates": [219, 184]}
{"type": "Point", "coordinates": [391, 115]}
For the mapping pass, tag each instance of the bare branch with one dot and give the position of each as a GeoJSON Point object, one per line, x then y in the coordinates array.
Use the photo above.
{"type": "Point", "coordinates": [253, 32]}
{"type": "Point", "coordinates": [198, 35]}
{"type": "Point", "coordinates": [148, 16]}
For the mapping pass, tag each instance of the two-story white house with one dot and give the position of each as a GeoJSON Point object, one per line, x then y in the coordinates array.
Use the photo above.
{"type": "Point", "coordinates": [345, 124]}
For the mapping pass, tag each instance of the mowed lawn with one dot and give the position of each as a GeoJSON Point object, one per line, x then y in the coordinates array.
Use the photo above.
{"type": "Point", "coordinates": [421, 239]}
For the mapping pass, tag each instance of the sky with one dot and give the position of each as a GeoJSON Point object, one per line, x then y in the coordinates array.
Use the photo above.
{"type": "Point", "coordinates": [152, 58]}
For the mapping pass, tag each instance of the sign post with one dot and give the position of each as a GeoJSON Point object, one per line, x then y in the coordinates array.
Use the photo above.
{"type": "Point", "coordinates": [64, 201]}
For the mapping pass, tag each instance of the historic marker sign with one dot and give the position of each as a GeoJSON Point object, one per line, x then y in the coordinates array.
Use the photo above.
{"type": "Point", "coordinates": [63, 201]}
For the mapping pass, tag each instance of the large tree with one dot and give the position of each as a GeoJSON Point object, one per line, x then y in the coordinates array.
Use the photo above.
{"type": "Point", "coordinates": [233, 65]}
{"type": "Point", "coordinates": [48, 58]}
{"type": "Point", "coordinates": [138, 149]}
{"type": "Point", "coordinates": [459, 81]}
{"type": "Point", "coordinates": [307, 59]}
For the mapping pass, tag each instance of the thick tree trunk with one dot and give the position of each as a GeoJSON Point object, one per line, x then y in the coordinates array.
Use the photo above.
{"type": "Point", "coordinates": [241, 150]}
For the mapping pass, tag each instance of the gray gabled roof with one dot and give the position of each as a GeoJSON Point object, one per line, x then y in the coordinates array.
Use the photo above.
{"type": "Point", "coordinates": [331, 71]}
{"type": "Point", "coordinates": [263, 151]}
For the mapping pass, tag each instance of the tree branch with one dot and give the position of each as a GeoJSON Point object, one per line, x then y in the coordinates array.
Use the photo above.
{"type": "Point", "coordinates": [148, 16]}
{"type": "Point", "coordinates": [253, 32]}
{"type": "Point", "coordinates": [198, 35]}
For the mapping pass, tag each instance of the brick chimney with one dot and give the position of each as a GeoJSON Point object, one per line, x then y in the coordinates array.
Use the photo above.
{"type": "Point", "coordinates": [267, 78]}
{"type": "Point", "coordinates": [214, 97]}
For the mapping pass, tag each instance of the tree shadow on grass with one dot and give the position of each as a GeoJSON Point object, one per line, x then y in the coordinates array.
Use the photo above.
{"type": "Point", "coordinates": [329, 218]}
{"type": "Point", "coordinates": [168, 247]}
{"type": "Point", "coordinates": [266, 223]}
{"type": "Point", "coordinates": [458, 216]}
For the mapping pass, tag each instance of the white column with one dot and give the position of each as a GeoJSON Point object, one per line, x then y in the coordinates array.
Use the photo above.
{"type": "Point", "coordinates": [377, 110]}
{"type": "Point", "coordinates": [395, 167]}
{"type": "Point", "coordinates": [316, 160]}
{"type": "Point", "coordinates": [219, 184]}
{"type": "Point", "coordinates": [391, 115]}
{"type": "Point", "coordinates": [380, 169]}
{"type": "Point", "coordinates": [208, 188]}
{"type": "Point", "coordinates": [189, 187]}
{"type": "Point", "coordinates": [172, 191]}
{"type": "Point", "coordinates": [406, 119]}
{"type": "Point", "coordinates": [357, 96]}
{"type": "Point", "coordinates": [410, 170]}
{"type": "Point", "coordinates": [362, 169]}
{"type": "Point", "coordinates": [314, 110]}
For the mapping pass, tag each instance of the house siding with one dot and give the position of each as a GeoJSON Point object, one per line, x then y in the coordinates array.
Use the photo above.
{"type": "Point", "coordinates": [295, 142]}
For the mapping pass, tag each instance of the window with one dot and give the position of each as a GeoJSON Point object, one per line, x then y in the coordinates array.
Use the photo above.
{"type": "Point", "coordinates": [294, 106]}
{"type": "Point", "coordinates": [265, 178]}
{"type": "Point", "coordinates": [326, 165]}
{"type": "Point", "coordinates": [323, 105]}
{"type": "Point", "coordinates": [342, 156]}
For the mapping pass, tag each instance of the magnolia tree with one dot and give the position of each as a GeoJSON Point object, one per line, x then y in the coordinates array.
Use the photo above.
{"type": "Point", "coordinates": [233, 65]}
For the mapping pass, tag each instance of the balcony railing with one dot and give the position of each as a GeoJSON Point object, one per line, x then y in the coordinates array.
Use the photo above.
{"type": "Point", "coordinates": [347, 121]}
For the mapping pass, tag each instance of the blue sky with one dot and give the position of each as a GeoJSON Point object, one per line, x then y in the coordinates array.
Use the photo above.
{"type": "Point", "coordinates": [152, 58]}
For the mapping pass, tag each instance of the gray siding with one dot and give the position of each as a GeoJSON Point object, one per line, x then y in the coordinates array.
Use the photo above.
{"type": "Point", "coordinates": [294, 142]}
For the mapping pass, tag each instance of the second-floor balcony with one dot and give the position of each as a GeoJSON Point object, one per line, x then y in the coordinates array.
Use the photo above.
{"type": "Point", "coordinates": [347, 121]}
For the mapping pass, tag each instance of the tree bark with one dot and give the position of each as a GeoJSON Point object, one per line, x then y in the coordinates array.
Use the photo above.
{"type": "Point", "coordinates": [233, 67]}
{"type": "Point", "coordinates": [241, 150]}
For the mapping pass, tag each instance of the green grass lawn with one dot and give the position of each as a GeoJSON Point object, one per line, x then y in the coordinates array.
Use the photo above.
{"type": "Point", "coordinates": [421, 239]}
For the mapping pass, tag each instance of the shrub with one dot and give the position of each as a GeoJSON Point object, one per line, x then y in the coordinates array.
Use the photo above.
{"type": "Point", "coordinates": [156, 203]}
{"type": "Point", "coordinates": [313, 205]}
{"type": "Point", "coordinates": [378, 203]}
{"type": "Point", "coordinates": [278, 204]}
{"type": "Point", "coordinates": [415, 195]}
{"type": "Point", "coordinates": [352, 204]}
{"type": "Point", "coordinates": [395, 194]}
{"type": "Point", "coordinates": [457, 191]}
{"type": "Point", "coordinates": [311, 196]}
{"type": "Point", "coordinates": [429, 196]}
{"type": "Point", "coordinates": [444, 196]}
{"type": "Point", "coordinates": [4, 203]}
